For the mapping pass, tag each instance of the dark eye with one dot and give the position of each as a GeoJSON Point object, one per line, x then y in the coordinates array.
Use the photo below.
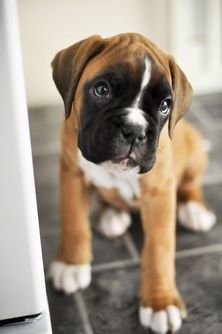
{"type": "Point", "coordinates": [165, 106]}
{"type": "Point", "coordinates": [102, 89]}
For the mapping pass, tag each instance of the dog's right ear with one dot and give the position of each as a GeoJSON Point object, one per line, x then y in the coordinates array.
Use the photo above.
{"type": "Point", "coordinates": [68, 65]}
{"type": "Point", "coordinates": [183, 94]}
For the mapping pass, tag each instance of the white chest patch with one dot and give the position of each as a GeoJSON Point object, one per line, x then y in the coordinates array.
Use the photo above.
{"type": "Point", "coordinates": [102, 176]}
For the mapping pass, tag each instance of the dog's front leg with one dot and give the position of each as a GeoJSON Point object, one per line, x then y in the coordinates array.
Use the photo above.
{"type": "Point", "coordinates": [162, 307]}
{"type": "Point", "coordinates": [71, 270]}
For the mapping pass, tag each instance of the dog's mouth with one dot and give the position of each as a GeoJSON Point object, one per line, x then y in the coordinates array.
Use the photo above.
{"type": "Point", "coordinates": [125, 161]}
{"type": "Point", "coordinates": [125, 165]}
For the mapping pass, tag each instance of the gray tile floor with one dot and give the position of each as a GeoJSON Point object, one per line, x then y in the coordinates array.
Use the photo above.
{"type": "Point", "coordinates": [109, 305]}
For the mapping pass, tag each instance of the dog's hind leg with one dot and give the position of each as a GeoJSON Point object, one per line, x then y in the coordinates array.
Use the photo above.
{"type": "Point", "coordinates": [194, 215]}
{"type": "Point", "coordinates": [113, 222]}
{"type": "Point", "coordinates": [193, 212]}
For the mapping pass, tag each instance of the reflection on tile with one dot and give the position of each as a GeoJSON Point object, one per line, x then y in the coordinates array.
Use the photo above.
{"type": "Point", "coordinates": [45, 126]}
{"type": "Point", "coordinates": [112, 302]}
{"type": "Point", "coordinates": [112, 299]}
{"type": "Point", "coordinates": [64, 314]}
{"type": "Point", "coordinates": [50, 246]}
{"type": "Point", "coordinates": [106, 250]}
{"type": "Point", "coordinates": [46, 181]}
{"type": "Point", "coordinates": [209, 100]}
{"type": "Point", "coordinates": [199, 279]}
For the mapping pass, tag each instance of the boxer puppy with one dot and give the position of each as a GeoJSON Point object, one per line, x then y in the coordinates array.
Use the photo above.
{"type": "Point", "coordinates": [123, 98]}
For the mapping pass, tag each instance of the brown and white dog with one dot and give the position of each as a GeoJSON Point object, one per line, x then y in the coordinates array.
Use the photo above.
{"type": "Point", "coordinates": [123, 97]}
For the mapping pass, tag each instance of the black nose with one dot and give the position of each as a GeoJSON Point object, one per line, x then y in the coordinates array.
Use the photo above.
{"type": "Point", "coordinates": [133, 133]}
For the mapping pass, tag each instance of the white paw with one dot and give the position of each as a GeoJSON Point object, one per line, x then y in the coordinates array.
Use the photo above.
{"type": "Point", "coordinates": [194, 216]}
{"type": "Point", "coordinates": [162, 321]}
{"type": "Point", "coordinates": [114, 223]}
{"type": "Point", "coordinates": [68, 277]}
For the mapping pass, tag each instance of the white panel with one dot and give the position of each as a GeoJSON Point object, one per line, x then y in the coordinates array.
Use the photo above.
{"type": "Point", "coordinates": [187, 37]}
{"type": "Point", "coordinates": [195, 37]}
{"type": "Point", "coordinates": [22, 289]}
{"type": "Point", "coordinates": [213, 34]}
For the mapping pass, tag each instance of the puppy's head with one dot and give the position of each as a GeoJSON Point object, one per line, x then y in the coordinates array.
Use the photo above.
{"type": "Point", "coordinates": [123, 90]}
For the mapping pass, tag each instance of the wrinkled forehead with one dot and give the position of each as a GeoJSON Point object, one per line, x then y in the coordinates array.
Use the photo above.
{"type": "Point", "coordinates": [127, 62]}
{"type": "Point", "coordinates": [133, 66]}
{"type": "Point", "coordinates": [130, 52]}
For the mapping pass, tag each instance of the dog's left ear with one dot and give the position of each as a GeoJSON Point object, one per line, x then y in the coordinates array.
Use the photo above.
{"type": "Point", "coordinates": [68, 65]}
{"type": "Point", "coordinates": [182, 94]}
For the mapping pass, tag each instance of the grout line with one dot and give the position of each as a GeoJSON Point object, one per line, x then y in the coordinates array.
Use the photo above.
{"type": "Point", "coordinates": [115, 265]}
{"type": "Point", "coordinates": [212, 179]}
{"type": "Point", "coordinates": [201, 114]}
{"type": "Point", "coordinates": [211, 249]}
{"type": "Point", "coordinates": [131, 247]}
{"type": "Point", "coordinates": [78, 297]}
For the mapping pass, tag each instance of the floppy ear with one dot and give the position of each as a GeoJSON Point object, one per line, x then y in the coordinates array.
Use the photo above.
{"type": "Point", "coordinates": [68, 65]}
{"type": "Point", "coordinates": [182, 94]}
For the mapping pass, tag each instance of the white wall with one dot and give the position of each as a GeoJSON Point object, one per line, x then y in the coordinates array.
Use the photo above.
{"type": "Point", "coordinates": [50, 25]}
{"type": "Point", "coordinates": [189, 29]}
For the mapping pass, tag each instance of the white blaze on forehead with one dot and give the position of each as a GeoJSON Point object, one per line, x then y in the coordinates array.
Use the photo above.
{"type": "Point", "coordinates": [136, 115]}
{"type": "Point", "coordinates": [144, 83]}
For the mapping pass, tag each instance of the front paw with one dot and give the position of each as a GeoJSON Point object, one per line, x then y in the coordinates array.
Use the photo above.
{"type": "Point", "coordinates": [69, 277]}
{"type": "Point", "coordinates": [162, 319]}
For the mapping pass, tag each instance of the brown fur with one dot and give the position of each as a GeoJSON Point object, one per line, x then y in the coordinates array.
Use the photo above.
{"type": "Point", "coordinates": [176, 169]}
